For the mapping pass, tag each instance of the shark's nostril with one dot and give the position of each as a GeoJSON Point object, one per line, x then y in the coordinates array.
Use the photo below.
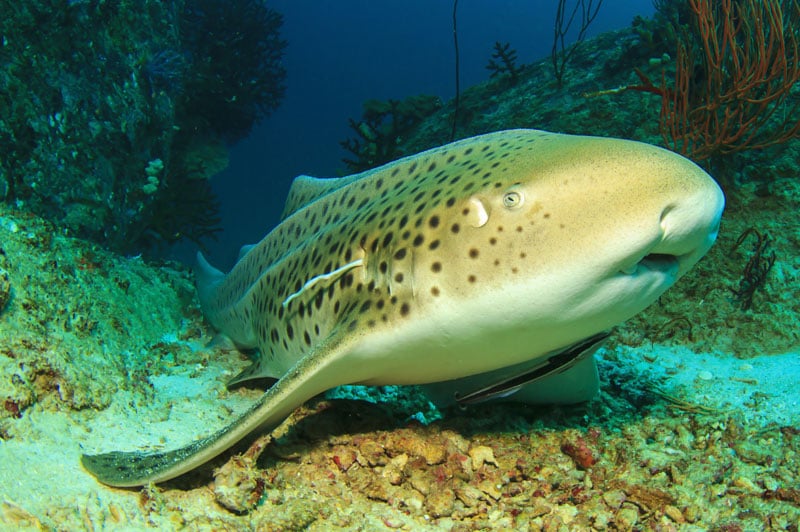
{"type": "Point", "coordinates": [664, 214]}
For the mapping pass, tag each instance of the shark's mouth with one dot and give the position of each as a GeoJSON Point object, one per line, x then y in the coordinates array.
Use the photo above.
{"type": "Point", "coordinates": [653, 262]}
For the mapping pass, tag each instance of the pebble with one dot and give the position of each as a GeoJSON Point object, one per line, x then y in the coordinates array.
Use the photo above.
{"type": "Point", "coordinates": [626, 518]}
{"type": "Point", "coordinates": [705, 375]}
{"type": "Point", "coordinates": [674, 513]}
{"type": "Point", "coordinates": [614, 498]}
{"type": "Point", "coordinates": [482, 455]}
{"type": "Point", "coordinates": [691, 513]}
{"type": "Point", "coordinates": [745, 483]}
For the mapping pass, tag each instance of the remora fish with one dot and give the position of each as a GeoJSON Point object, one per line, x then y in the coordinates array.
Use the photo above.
{"type": "Point", "coordinates": [515, 249]}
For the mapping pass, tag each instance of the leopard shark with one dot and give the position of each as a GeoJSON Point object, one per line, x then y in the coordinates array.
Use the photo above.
{"type": "Point", "coordinates": [491, 267]}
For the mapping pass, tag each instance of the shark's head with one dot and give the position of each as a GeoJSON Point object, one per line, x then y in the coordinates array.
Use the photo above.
{"type": "Point", "coordinates": [612, 223]}
{"type": "Point", "coordinates": [568, 236]}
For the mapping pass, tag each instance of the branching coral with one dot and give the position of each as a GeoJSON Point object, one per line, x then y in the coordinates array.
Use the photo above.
{"type": "Point", "coordinates": [236, 77]}
{"type": "Point", "coordinates": [735, 72]}
{"type": "Point", "coordinates": [734, 78]}
{"type": "Point", "coordinates": [382, 128]}
{"type": "Point", "coordinates": [755, 271]}
{"type": "Point", "coordinates": [92, 92]}
{"type": "Point", "coordinates": [186, 208]}
{"type": "Point", "coordinates": [561, 52]}
{"type": "Point", "coordinates": [504, 62]}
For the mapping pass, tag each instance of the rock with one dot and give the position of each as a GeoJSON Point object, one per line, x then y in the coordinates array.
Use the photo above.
{"type": "Point", "coordinates": [480, 455]}
{"type": "Point", "coordinates": [238, 486]}
{"type": "Point", "coordinates": [440, 502]}
{"type": "Point", "coordinates": [674, 513]}
{"type": "Point", "coordinates": [626, 518]}
{"type": "Point", "coordinates": [614, 498]}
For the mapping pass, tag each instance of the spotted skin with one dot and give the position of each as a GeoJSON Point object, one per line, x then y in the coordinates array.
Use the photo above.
{"type": "Point", "coordinates": [406, 221]}
{"type": "Point", "coordinates": [459, 261]}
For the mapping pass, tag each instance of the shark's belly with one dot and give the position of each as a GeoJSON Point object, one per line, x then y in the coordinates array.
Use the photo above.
{"type": "Point", "coordinates": [480, 334]}
{"type": "Point", "coordinates": [429, 350]}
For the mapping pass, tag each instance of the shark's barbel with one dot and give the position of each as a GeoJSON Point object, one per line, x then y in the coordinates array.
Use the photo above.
{"type": "Point", "coordinates": [497, 256]}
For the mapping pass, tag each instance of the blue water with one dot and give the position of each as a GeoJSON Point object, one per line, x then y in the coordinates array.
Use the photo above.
{"type": "Point", "coordinates": [343, 52]}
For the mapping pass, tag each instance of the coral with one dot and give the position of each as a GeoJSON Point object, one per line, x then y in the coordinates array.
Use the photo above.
{"type": "Point", "coordinates": [653, 40]}
{"type": "Point", "coordinates": [735, 72]}
{"type": "Point", "coordinates": [235, 76]}
{"type": "Point", "coordinates": [504, 62]}
{"type": "Point", "coordinates": [164, 70]}
{"type": "Point", "coordinates": [561, 53]}
{"type": "Point", "coordinates": [184, 208]}
{"type": "Point", "coordinates": [755, 271]}
{"type": "Point", "coordinates": [383, 127]}
{"type": "Point", "coordinates": [75, 298]}
{"type": "Point", "coordinates": [749, 70]}
{"type": "Point", "coordinates": [91, 93]}
{"type": "Point", "coordinates": [580, 452]}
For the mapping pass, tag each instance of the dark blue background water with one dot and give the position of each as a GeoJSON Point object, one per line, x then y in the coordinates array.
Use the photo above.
{"type": "Point", "coordinates": [342, 52]}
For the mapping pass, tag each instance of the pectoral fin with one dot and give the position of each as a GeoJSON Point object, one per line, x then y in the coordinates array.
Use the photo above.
{"type": "Point", "coordinates": [254, 371]}
{"type": "Point", "coordinates": [506, 382]}
{"type": "Point", "coordinates": [554, 363]}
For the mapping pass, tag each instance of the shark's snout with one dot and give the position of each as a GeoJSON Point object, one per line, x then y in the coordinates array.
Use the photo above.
{"type": "Point", "coordinates": [690, 224]}
{"type": "Point", "coordinates": [684, 229]}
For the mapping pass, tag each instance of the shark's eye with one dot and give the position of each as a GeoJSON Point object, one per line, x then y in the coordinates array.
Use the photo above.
{"type": "Point", "coordinates": [512, 200]}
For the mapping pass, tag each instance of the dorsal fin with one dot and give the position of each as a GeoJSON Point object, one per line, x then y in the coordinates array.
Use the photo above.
{"type": "Point", "coordinates": [306, 189]}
